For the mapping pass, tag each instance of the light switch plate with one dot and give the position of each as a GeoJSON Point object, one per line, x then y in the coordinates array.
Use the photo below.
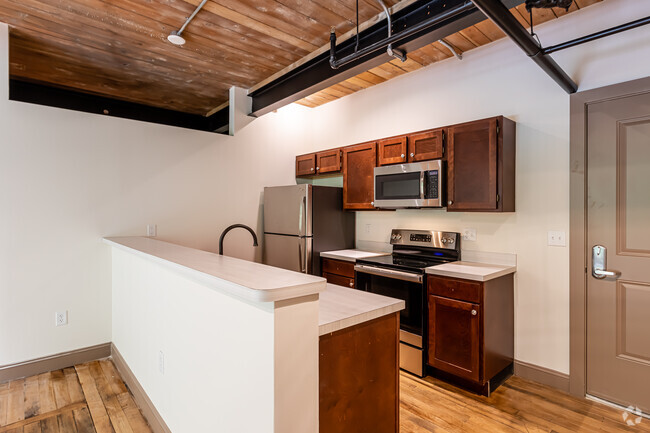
{"type": "Point", "coordinates": [557, 238]}
{"type": "Point", "coordinates": [152, 230]}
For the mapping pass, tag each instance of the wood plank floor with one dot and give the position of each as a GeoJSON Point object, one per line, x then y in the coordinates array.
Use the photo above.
{"type": "Point", "coordinates": [87, 398]}
{"type": "Point", "coordinates": [519, 405]}
{"type": "Point", "coordinates": [93, 398]}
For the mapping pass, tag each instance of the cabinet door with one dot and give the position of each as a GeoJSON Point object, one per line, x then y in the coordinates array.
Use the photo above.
{"type": "Point", "coordinates": [359, 163]}
{"type": "Point", "coordinates": [472, 166]}
{"type": "Point", "coordinates": [425, 145]}
{"type": "Point", "coordinates": [392, 150]}
{"type": "Point", "coordinates": [328, 161]}
{"type": "Point", "coordinates": [454, 343]}
{"type": "Point", "coordinates": [306, 165]}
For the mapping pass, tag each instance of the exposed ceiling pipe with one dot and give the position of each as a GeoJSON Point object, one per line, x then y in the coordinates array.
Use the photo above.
{"type": "Point", "coordinates": [501, 16]}
{"type": "Point", "coordinates": [175, 36]}
{"type": "Point", "coordinates": [380, 45]}
{"type": "Point", "coordinates": [398, 54]}
{"type": "Point", "coordinates": [597, 35]}
{"type": "Point", "coordinates": [451, 48]}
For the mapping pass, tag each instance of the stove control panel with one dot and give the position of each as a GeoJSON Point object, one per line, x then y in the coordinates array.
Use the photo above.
{"type": "Point", "coordinates": [425, 238]}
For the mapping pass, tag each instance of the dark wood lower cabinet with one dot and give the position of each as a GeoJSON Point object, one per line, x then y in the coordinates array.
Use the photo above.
{"type": "Point", "coordinates": [359, 378]}
{"type": "Point", "coordinates": [471, 328]}
{"type": "Point", "coordinates": [454, 337]}
{"type": "Point", "coordinates": [338, 272]}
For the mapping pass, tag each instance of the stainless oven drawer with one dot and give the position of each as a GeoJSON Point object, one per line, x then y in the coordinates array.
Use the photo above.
{"type": "Point", "coordinates": [411, 359]}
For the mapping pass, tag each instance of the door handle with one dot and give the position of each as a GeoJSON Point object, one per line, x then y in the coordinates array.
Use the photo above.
{"type": "Point", "coordinates": [300, 263]}
{"type": "Point", "coordinates": [599, 263]}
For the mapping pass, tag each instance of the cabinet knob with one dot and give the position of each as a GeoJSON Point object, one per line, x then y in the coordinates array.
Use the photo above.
{"type": "Point", "coordinates": [402, 156]}
{"type": "Point", "coordinates": [450, 202]}
{"type": "Point", "coordinates": [474, 312]}
{"type": "Point", "coordinates": [351, 283]}
{"type": "Point", "coordinates": [317, 168]}
{"type": "Point", "coordinates": [412, 154]}
{"type": "Point", "coordinates": [372, 203]}
{"type": "Point", "coordinates": [311, 169]}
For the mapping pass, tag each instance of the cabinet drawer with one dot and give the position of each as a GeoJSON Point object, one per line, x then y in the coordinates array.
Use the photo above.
{"type": "Point", "coordinates": [454, 289]}
{"type": "Point", "coordinates": [338, 267]}
{"type": "Point", "coordinates": [339, 280]}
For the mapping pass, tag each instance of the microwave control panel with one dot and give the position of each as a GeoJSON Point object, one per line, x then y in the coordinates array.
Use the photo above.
{"type": "Point", "coordinates": [433, 180]}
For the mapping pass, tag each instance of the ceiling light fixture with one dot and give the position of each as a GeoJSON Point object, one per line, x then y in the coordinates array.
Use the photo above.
{"type": "Point", "coordinates": [175, 36]}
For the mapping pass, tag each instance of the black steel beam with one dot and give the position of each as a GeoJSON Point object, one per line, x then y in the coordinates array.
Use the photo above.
{"type": "Point", "coordinates": [597, 35]}
{"type": "Point", "coordinates": [501, 16]}
{"type": "Point", "coordinates": [43, 94]}
{"type": "Point", "coordinates": [317, 74]}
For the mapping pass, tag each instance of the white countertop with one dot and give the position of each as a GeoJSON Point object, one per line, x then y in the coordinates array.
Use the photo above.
{"type": "Point", "coordinates": [342, 307]}
{"type": "Point", "coordinates": [242, 278]}
{"type": "Point", "coordinates": [471, 270]}
{"type": "Point", "coordinates": [351, 255]}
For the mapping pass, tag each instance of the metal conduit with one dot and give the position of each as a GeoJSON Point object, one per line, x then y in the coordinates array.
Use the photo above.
{"type": "Point", "coordinates": [380, 45]}
{"type": "Point", "coordinates": [597, 35]}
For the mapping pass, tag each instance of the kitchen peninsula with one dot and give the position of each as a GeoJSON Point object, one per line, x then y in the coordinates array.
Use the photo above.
{"type": "Point", "coordinates": [240, 336]}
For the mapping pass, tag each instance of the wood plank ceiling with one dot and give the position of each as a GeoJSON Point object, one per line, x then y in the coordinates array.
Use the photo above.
{"type": "Point", "coordinates": [118, 48]}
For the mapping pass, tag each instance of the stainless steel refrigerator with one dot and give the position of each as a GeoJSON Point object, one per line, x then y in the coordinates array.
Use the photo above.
{"type": "Point", "coordinates": [301, 221]}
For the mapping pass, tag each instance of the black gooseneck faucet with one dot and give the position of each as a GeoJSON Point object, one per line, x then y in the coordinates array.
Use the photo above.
{"type": "Point", "coordinates": [234, 226]}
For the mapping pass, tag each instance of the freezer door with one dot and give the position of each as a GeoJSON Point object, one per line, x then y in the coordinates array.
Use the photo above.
{"type": "Point", "coordinates": [287, 210]}
{"type": "Point", "coordinates": [288, 252]}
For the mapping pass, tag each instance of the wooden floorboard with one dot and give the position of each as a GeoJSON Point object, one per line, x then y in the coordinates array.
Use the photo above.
{"type": "Point", "coordinates": [88, 398]}
{"type": "Point", "coordinates": [519, 405]}
{"type": "Point", "coordinates": [92, 398]}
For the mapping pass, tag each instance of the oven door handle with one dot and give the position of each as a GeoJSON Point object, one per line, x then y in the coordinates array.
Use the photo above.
{"type": "Point", "coordinates": [399, 275]}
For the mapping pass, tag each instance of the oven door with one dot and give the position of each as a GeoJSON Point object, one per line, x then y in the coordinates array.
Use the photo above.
{"type": "Point", "coordinates": [406, 286]}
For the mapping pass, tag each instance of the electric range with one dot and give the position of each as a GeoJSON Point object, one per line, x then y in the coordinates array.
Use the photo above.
{"type": "Point", "coordinates": [402, 276]}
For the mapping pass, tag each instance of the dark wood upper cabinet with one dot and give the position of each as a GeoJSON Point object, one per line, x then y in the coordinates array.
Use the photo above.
{"type": "Point", "coordinates": [359, 162]}
{"type": "Point", "coordinates": [306, 165]}
{"type": "Point", "coordinates": [425, 145]}
{"type": "Point", "coordinates": [328, 161]}
{"type": "Point", "coordinates": [481, 166]}
{"type": "Point", "coordinates": [392, 150]}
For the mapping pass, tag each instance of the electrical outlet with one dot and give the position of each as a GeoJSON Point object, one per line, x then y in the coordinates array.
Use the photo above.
{"type": "Point", "coordinates": [161, 362]}
{"type": "Point", "coordinates": [61, 318]}
{"type": "Point", "coordinates": [469, 234]}
{"type": "Point", "coordinates": [557, 239]}
{"type": "Point", "coordinates": [152, 230]}
{"type": "Point", "coordinates": [368, 228]}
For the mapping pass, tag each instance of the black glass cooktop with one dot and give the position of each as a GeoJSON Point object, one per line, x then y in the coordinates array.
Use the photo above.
{"type": "Point", "coordinates": [413, 261]}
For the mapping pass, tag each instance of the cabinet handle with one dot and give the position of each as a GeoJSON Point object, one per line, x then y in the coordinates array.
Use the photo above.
{"type": "Point", "coordinates": [351, 283]}
{"type": "Point", "coordinates": [372, 203]}
{"type": "Point", "coordinates": [311, 169]}
{"type": "Point", "coordinates": [317, 168]}
{"type": "Point", "coordinates": [450, 202]}
{"type": "Point", "coordinates": [474, 312]}
{"type": "Point", "coordinates": [412, 155]}
{"type": "Point", "coordinates": [402, 156]}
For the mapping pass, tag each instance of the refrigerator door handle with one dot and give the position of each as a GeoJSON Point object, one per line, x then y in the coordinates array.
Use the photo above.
{"type": "Point", "coordinates": [303, 222]}
{"type": "Point", "coordinates": [301, 263]}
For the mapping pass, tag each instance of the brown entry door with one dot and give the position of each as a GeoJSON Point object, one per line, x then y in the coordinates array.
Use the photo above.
{"type": "Point", "coordinates": [618, 218]}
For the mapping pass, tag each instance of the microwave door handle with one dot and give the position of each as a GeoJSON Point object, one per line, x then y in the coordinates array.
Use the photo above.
{"type": "Point", "coordinates": [422, 192]}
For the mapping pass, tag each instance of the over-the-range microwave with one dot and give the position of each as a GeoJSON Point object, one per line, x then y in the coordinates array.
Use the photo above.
{"type": "Point", "coordinates": [420, 184]}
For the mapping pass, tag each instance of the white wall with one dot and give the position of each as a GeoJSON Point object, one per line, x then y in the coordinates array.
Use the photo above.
{"type": "Point", "coordinates": [67, 179]}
